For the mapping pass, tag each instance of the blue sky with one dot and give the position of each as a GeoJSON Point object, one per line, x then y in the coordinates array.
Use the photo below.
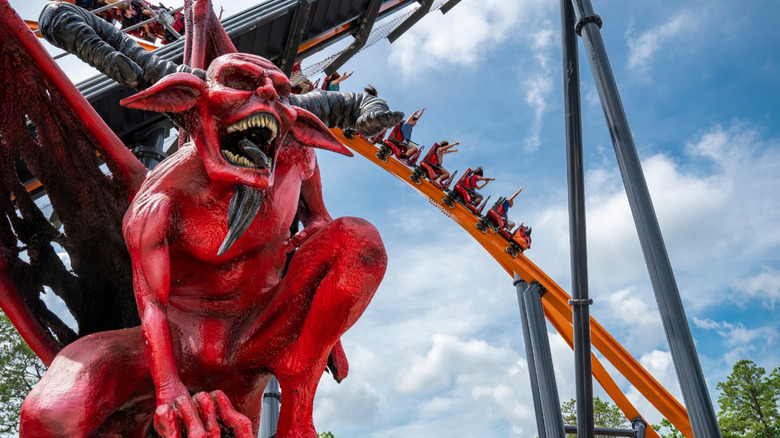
{"type": "Point", "coordinates": [439, 351]}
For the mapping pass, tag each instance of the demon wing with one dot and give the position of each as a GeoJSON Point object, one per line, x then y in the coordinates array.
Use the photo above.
{"type": "Point", "coordinates": [50, 135]}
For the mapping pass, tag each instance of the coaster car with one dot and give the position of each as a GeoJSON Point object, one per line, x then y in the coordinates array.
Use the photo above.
{"type": "Point", "coordinates": [460, 194]}
{"type": "Point", "coordinates": [428, 169]}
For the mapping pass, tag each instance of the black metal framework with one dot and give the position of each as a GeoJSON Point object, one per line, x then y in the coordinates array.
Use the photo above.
{"type": "Point", "coordinates": [678, 334]}
{"type": "Point", "coordinates": [363, 31]}
{"type": "Point", "coordinates": [521, 287]}
{"type": "Point", "coordinates": [577, 230]}
{"type": "Point", "coordinates": [448, 6]}
{"type": "Point", "coordinates": [300, 16]}
{"type": "Point", "coordinates": [549, 421]}
{"type": "Point", "coordinates": [425, 7]}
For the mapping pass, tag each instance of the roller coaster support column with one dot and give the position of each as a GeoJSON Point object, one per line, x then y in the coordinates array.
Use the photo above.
{"type": "Point", "coordinates": [579, 253]}
{"type": "Point", "coordinates": [678, 334]}
{"type": "Point", "coordinates": [521, 286]}
{"type": "Point", "coordinates": [272, 398]}
{"type": "Point", "coordinates": [540, 363]}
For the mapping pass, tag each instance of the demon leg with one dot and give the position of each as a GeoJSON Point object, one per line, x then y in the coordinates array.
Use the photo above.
{"type": "Point", "coordinates": [86, 383]}
{"type": "Point", "coordinates": [331, 280]}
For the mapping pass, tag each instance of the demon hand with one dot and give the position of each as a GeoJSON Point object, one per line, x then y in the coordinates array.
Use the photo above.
{"type": "Point", "coordinates": [203, 415]}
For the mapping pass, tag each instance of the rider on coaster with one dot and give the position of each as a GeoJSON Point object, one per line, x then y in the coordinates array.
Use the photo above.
{"type": "Point", "coordinates": [471, 184]}
{"type": "Point", "coordinates": [503, 207]}
{"type": "Point", "coordinates": [437, 157]}
{"type": "Point", "coordinates": [402, 133]}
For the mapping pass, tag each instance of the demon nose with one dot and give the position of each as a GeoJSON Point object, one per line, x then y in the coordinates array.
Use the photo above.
{"type": "Point", "coordinates": [266, 90]}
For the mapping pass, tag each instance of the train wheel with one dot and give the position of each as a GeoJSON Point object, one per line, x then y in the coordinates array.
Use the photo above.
{"type": "Point", "coordinates": [381, 156]}
{"type": "Point", "coordinates": [413, 176]}
{"type": "Point", "coordinates": [481, 227]}
{"type": "Point", "coordinates": [511, 251]}
{"type": "Point", "coordinates": [448, 202]}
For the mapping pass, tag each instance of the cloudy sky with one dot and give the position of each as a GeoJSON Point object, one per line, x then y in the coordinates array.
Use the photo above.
{"type": "Point", "coordinates": [439, 351]}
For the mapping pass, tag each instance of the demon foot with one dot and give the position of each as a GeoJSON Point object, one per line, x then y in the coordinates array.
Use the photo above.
{"type": "Point", "coordinates": [202, 416]}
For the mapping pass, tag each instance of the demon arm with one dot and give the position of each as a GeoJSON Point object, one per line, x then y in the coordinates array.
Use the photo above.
{"type": "Point", "coordinates": [104, 47]}
{"type": "Point", "coordinates": [146, 228]}
{"type": "Point", "coordinates": [369, 114]}
{"type": "Point", "coordinates": [118, 56]}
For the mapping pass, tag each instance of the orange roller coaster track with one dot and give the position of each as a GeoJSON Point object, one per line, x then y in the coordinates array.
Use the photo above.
{"type": "Point", "coordinates": [555, 302]}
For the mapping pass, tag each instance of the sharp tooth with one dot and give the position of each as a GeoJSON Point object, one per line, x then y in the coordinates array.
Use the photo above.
{"type": "Point", "coordinates": [273, 131]}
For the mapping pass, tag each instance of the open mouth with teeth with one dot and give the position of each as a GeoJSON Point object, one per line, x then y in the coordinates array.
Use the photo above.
{"type": "Point", "coordinates": [249, 142]}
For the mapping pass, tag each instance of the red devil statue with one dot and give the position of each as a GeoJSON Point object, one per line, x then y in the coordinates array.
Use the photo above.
{"type": "Point", "coordinates": [208, 235]}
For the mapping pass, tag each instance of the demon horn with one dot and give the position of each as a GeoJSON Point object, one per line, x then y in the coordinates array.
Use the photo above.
{"type": "Point", "coordinates": [243, 208]}
{"type": "Point", "coordinates": [105, 47]}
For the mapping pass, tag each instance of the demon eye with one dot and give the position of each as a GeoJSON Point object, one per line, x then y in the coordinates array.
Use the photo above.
{"type": "Point", "coordinates": [239, 80]}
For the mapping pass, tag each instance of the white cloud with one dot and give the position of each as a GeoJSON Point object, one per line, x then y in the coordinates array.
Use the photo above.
{"type": "Point", "coordinates": [764, 286]}
{"type": "Point", "coordinates": [736, 334]}
{"type": "Point", "coordinates": [467, 32]}
{"type": "Point", "coordinates": [644, 46]}
{"type": "Point", "coordinates": [460, 37]}
{"type": "Point", "coordinates": [739, 340]}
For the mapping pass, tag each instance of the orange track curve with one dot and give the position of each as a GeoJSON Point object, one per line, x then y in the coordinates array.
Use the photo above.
{"type": "Point", "coordinates": [555, 302]}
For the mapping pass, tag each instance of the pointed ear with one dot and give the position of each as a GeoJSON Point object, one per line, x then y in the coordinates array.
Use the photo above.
{"type": "Point", "coordinates": [173, 94]}
{"type": "Point", "coordinates": [310, 130]}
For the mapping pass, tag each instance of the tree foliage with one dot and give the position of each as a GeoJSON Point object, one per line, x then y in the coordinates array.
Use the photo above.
{"type": "Point", "coordinates": [669, 430]}
{"type": "Point", "coordinates": [20, 370]}
{"type": "Point", "coordinates": [748, 402]}
{"type": "Point", "coordinates": [327, 434]}
{"type": "Point", "coordinates": [605, 414]}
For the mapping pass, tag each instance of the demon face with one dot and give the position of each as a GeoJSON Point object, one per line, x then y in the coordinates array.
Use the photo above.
{"type": "Point", "coordinates": [239, 117]}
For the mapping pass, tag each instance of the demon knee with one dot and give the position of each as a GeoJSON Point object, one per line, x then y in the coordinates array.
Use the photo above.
{"type": "Point", "coordinates": [358, 238]}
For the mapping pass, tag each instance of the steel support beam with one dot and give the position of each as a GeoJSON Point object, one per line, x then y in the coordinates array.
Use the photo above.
{"type": "Point", "coordinates": [425, 7]}
{"type": "Point", "coordinates": [448, 6]}
{"type": "Point", "coordinates": [543, 364]}
{"type": "Point", "coordinates": [269, 415]}
{"type": "Point", "coordinates": [521, 287]}
{"type": "Point", "coordinates": [295, 36]}
{"type": "Point", "coordinates": [640, 427]}
{"type": "Point", "coordinates": [602, 431]}
{"type": "Point", "coordinates": [363, 31]}
{"type": "Point", "coordinates": [577, 230]}
{"type": "Point", "coordinates": [678, 333]}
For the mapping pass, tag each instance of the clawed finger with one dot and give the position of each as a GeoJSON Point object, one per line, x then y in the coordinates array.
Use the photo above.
{"type": "Point", "coordinates": [165, 422]}
{"type": "Point", "coordinates": [240, 424]}
{"type": "Point", "coordinates": [207, 413]}
{"type": "Point", "coordinates": [186, 412]}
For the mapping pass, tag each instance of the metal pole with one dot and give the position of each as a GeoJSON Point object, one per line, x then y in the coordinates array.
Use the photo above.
{"type": "Point", "coordinates": [678, 333]}
{"type": "Point", "coordinates": [269, 415]}
{"type": "Point", "coordinates": [640, 427]}
{"type": "Point", "coordinates": [521, 286]}
{"type": "Point", "coordinates": [603, 431]}
{"type": "Point", "coordinates": [548, 390]}
{"type": "Point", "coordinates": [577, 234]}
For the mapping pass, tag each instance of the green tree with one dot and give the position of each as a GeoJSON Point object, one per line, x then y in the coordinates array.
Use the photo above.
{"type": "Point", "coordinates": [671, 432]}
{"type": "Point", "coordinates": [20, 370]}
{"type": "Point", "coordinates": [748, 402]}
{"type": "Point", "coordinates": [327, 434]}
{"type": "Point", "coordinates": [605, 414]}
